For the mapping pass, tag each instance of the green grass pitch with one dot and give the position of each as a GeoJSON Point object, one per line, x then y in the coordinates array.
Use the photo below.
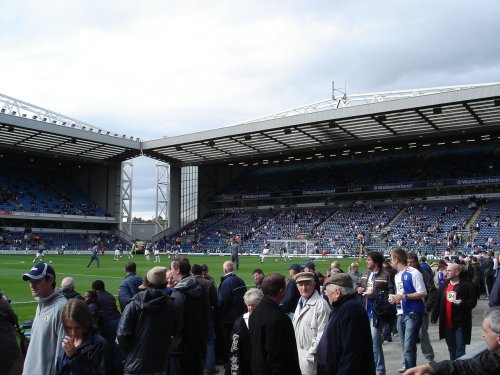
{"type": "Point", "coordinates": [112, 272]}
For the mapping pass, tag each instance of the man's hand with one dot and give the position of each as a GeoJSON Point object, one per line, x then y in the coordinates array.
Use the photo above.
{"type": "Point", "coordinates": [420, 370]}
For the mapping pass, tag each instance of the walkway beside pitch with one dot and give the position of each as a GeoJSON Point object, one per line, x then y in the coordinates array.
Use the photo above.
{"type": "Point", "coordinates": [392, 350]}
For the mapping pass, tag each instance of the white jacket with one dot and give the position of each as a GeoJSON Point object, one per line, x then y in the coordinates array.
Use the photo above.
{"type": "Point", "coordinates": [309, 323]}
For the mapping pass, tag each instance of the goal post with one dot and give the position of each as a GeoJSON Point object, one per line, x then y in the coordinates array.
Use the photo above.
{"type": "Point", "coordinates": [297, 248]}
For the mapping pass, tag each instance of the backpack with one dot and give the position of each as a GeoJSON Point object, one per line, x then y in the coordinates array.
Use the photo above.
{"type": "Point", "coordinates": [382, 308]}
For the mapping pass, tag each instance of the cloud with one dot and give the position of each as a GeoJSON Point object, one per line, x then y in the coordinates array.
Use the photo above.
{"type": "Point", "coordinates": [164, 68]}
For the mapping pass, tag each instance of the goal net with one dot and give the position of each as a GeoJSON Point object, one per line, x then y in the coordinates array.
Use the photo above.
{"type": "Point", "coordinates": [299, 248]}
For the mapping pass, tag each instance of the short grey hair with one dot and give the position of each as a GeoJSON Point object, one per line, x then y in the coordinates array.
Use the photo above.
{"type": "Point", "coordinates": [68, 283]}
{"type": "Point", "coordinates": [493, 315]}
{"type": "Point", "coordinates": [253, 296]}
{"type": "Point", "coordinates": [344, 290]}
{"type": "Point", "coordinates": [228, 266]}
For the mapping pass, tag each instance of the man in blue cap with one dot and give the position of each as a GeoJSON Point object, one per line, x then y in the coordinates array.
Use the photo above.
{"type": "Point", "coordinates": [47, 331]}
{"type": "Point", "coordinates": [292, 294]}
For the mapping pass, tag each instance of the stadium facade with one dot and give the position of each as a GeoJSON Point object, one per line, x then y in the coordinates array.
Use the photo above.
{"type": "Point", "coordinates": [194, 169]}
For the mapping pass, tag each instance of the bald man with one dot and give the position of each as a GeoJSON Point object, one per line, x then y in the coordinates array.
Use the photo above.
{"type": "Point", "coordinates": [455, 301]}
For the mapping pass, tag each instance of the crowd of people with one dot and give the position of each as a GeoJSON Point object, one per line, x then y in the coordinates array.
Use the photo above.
{"type": "Point", "coordinates": [178, 321]}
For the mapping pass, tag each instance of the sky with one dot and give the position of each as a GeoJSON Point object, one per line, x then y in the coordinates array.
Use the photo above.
{"type": "Point", "coordinates": [157, 68]}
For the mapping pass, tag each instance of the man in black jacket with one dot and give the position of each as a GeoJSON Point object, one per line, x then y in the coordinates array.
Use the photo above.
{"type": "Point", "coordinates": [146, 326]}
{"type": "Point", "coordinates": [191, 304]}
{"type": "Point", "coordinates": [454, 304]}
{"type": "Point", "coordinates": [346, 345]}
{"type": "Point", "coordinates": [485, 363]}
{"type": "Point", "coordinates": [274, 351]}
{"type": "Point", "coordinates": [292, 294]}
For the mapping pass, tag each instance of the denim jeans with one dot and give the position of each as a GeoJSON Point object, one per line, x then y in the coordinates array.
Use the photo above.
{"type": "Point", "coordinates": [455, 341]}
{"type": "Point", "coordinates": [425, 342]}
{"type": "Point", "coordinates": [210, 353]}
{"type": "Point", "coordinates": [408, 328]}
{"type": "Point", "coordinates": [378, 353]}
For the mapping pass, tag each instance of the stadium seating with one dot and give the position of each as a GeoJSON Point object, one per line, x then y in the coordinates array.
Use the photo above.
{"type": "Point", "coordinates": [25, 189]}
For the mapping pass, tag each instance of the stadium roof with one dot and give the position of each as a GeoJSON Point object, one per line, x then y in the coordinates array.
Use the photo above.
{"type": "Point", "coordinates": [26, 127]}
{"type": "Point", "coordinates": [344, 123]}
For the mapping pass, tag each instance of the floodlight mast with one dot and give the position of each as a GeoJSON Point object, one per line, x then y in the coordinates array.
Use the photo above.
{"type": "Point", "coordinates": [162, 218]}
{"type": "Point", "coordinates": [126, 198]}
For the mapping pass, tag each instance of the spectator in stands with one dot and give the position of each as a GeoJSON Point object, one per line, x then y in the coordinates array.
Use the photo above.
{"type": "Point", "coordinates": [47, 331]}
{"type": "Point", "coordinates": [485, 363]}
{"type": "Point", "coordinates": [454, 304]}
{"type": "Point", "coordinates": [83, 350]}
{"type": "Point", "coordinates": [240, 359]}
{"type": "Point", "coordinates": [231, 303]}
{"type": "Point", "coordinates": [68, 289]}
{"type": "Point", "coordinates": [258, 276]}
{"type": "Point", "coordinates": [190, 339]}
{"type": "Point", "coordinates": [108, 318]}
{"type": "Point", "coordinates": [373, 281]}
{"type": "Point", "coordinates": [430, 299]}
{"type": "Point", "coordinates": [309, 321]}
{"type": "Point", "coordinates": [94, 255]}
{"type": "Point", "coordinates": [129, 286]}
{"type": "Point", "coordinates": [146, 327]}
{"type": "Point", "coordinates": [346, 345]}
{"type": "Point", "coordinates": [292, 294]}
{"type": "Point", "coordinates": [271, 332]}
{"type": "Point", "coordinates": [11, 358]}
{"type": "Point", "coordinates": [213, 300]}
{"type": "Point", "coordinates": [410, 291]}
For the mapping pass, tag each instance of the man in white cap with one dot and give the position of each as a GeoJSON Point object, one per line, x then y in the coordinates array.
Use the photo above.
{"type": "Point", "coordinates": [146, 327]}
{"type": "Point", "coordinates": [309, 321]}
{"type": "Point", "coordinates": [47, 330]}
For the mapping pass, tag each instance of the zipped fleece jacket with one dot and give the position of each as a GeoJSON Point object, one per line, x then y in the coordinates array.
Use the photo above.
{"type": "Point", "coordinates": [47, 333]}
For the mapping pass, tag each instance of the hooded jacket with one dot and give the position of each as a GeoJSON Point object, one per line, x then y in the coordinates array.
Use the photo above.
{"type": "Point", "coordinates": [192, 310]}
{"type": "Point", "coordinates": [145, 331]}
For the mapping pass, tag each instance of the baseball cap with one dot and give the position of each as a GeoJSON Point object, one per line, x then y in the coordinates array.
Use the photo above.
{"type": "Point", "coordinates": [310, 265]}
{"type": "Point", "coordinates": [39, 271]}
{"type": "Point", "coordinates": [295, 267]}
